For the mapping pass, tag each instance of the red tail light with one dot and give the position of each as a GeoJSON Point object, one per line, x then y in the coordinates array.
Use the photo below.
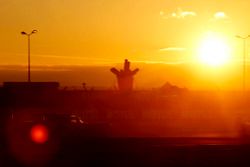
{"type": "Point", "coordinates": [39, 134]}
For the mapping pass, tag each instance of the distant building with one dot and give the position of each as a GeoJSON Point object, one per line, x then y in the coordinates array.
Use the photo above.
{"type": "Point", "coordinates": [169, 88]}
{"type": "Point", "coordinates": [30, 86]}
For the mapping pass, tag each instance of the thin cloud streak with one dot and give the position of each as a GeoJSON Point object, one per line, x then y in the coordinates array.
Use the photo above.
{"type": "Point", "coordinates": [163, 62]}
{"type": "Point", "coordinates": [173, 49]}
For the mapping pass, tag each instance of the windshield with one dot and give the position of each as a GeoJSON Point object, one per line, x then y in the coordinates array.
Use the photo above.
{"type": "Point", "coordinates": [122, 69]}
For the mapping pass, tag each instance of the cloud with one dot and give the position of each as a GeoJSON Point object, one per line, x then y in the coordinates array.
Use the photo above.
{"type": "Point", "coordinates": [173, 49]}
{"type": "Point", "coordinates": [178, 14]}
{"type": "Point", "coordinates": [220, 16]}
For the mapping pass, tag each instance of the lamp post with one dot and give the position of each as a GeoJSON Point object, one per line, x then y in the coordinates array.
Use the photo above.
{"type": "Point", "coordinates": [28, 35]}
{"type": "Point", "coordinates": [244, 39]}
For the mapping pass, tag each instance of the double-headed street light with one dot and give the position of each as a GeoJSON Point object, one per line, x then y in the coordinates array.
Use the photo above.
{"type": "Point", "coordinates": [28, 35]}
{"type": "Point", "coordinates": [244, 39]}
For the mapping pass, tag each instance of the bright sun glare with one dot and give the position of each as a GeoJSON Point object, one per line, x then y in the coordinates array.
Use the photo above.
{"type": "Point", "coordinates": [214, 51]}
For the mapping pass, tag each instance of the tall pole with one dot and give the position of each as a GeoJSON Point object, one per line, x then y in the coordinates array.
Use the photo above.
{"type": "Point", "coordinates": [244, 39]}
{"type": "Point", "coordinates": [28, 35]}
{"type": "Point", "coordinates": [29, 80]}
{"type": "Point", "coordinates": [244, 65]}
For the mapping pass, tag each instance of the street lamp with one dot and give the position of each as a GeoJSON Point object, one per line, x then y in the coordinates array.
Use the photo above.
{"type": "Point", "coordinates": [28, 35]}
{"type": "Point", "coordinates": [244, 39]}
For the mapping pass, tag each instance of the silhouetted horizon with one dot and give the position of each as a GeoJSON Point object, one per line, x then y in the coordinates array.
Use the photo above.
{"type": "Point", "coordinates": [100, 76]}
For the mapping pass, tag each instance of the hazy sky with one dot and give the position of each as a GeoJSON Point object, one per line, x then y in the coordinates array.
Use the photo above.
{"type": "Point", "coordinates": [103, 31]}
{"type": "Point", "coordinates": [94, 32]}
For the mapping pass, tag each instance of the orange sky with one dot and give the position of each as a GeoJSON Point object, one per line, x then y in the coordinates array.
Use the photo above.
{"type": "Point", "coordinates": [84, 32]}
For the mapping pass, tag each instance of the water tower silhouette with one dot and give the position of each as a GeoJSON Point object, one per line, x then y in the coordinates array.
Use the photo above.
{"type": "Point", "coordinates": [125, 77]}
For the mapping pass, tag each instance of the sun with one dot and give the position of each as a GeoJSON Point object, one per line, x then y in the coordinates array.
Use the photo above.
{"type": "Point", "coordinates": [214, 51]}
